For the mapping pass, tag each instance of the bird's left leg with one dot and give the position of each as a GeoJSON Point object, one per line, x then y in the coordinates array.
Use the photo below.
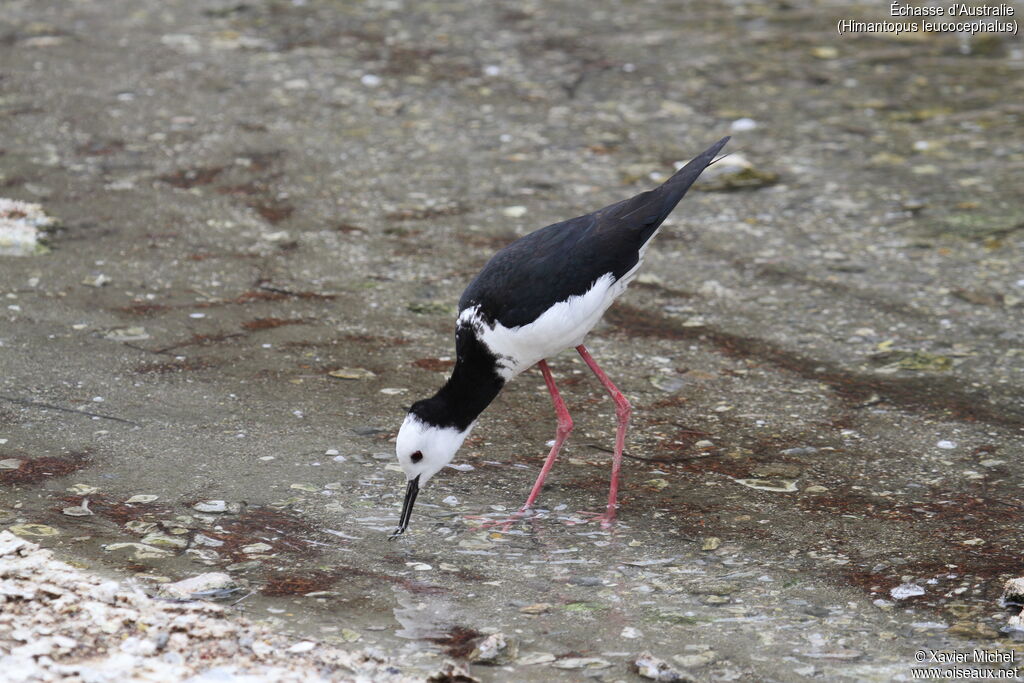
{"type": "Point", "coordinates": [561, 433]}
{"type": "Point", "coordinates": [622, 411]}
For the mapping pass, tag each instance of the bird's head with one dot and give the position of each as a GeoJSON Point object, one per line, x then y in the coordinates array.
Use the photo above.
{"type": "Point", "coordinates": [423, 449]}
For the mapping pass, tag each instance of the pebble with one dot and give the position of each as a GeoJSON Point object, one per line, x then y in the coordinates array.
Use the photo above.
{"type": "Point", "coordinates": [1013, 592]}
{"type": "Point", "coordinates": [695, 661]}
{"type": "Point", "coordinates": [531, 658]}
{"type": "Point", "coordinates": [946, 445]}
{"type": "Point", "coordinates": [711, 543]}
{"type": "Point", "coordinates": [10, 464]}
{"type": "Point", "coordinates": [98, 280]}
{"type": "Point", "coordinates": [201, 539]}
{"type": "Point", "coordinates": [142, 498]}
{"type": "Point", "coordinates": [34, 530]}
{"type": "Point", "coordinates": [514, 211]}
{"type": "Point", "coordinates": [300, 648]}
{"type": "Point", "coordinates": [488, 649]}
{"type": "Point", "coordinates": [127, 334]}
{"type": "Point", "coordinates": [649, 666]}
{"type": "Point", "coordinates": [78, 510]}
{"type": "Point", "coordinates": [536, 608]}
{"type": "Point", "coordinates": [906, 590]}
{"type": "Point", "coordinates": [200, 583]}
{"type": "Point", "coordinates": [668, 384]}
{"type": "Point", "coordinates": [352, 373]}
{"type": "Point", "coordinates": [254, 548]}
{"type": "Point", "coordinates": [164, 541]}
{"type": "Point", "coordinates": [21, 228]}
{"type": "Point", "coordinates": [778, 485]}
{"type": "Point", "coordinates": [211, 506]}
{"type": "Point", "coordinates": [584, 663]}
{"type": "Point", "coordinates": [631, 633]}
{"type": "Point", "coordinates": [742, 125]}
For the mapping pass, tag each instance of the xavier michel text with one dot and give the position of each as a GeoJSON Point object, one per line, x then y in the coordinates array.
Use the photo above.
{"type": "Point", "coordinates": [974, 656]}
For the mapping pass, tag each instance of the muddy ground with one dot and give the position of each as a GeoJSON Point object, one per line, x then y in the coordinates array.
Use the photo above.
{"type": "Point", "coordinates": [825, 354]}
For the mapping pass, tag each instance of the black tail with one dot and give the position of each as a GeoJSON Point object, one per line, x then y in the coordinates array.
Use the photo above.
{"type": "Point", "coordinates": [646, 211]}
{"type": "Point", "coordinates": [684, 177]}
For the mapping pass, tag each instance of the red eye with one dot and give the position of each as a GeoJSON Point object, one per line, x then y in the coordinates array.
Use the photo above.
{"type": "Point", "coordinates": [416, 457]}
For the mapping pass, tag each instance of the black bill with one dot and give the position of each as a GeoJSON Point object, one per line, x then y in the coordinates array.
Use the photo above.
{"type": "Point", "coordinates": [410, 499]}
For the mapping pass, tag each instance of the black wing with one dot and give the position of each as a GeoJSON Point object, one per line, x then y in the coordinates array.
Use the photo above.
{"type": "Point", "coordinates": [565, 259]}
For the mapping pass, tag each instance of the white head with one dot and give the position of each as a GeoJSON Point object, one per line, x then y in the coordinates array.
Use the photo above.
{"type": "Point", "coordinates": [423, 450]}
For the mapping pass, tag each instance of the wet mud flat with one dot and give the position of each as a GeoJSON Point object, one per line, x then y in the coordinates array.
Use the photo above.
{"type": "Point", "coordinates": [265, 212]}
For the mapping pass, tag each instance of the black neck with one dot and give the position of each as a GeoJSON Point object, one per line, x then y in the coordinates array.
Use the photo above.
{"type": "Point", "coordinates": [474, 383]}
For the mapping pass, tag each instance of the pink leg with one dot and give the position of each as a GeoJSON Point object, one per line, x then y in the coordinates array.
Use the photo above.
{"type": "Point", "coordinates": [622, 411]}
{"type": "Point", "coordinates": [564, 427]}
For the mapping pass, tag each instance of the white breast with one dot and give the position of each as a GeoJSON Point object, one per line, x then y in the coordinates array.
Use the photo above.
{"type": "Point", "coordinates": [562, 326]}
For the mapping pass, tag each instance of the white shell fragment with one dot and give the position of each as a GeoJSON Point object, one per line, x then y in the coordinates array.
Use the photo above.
{"type": "Point", "coordinates": [778, 485]}
{"type": "Point", "coordinates": [21, 226]}
{"type": "Point", "coordinates": [78, 510]}
{"type": "Point", "coordinates": [906, 590]}
{"type": "Point", "coordinates": [142, 498]}
{"type": "Point", "coordinates": [201, 583]}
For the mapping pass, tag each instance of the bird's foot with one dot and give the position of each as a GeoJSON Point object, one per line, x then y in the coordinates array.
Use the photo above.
{"type": "Point", "coordinates": [506, 523]}
{"type": "Point", "coordinates": [606, 518]}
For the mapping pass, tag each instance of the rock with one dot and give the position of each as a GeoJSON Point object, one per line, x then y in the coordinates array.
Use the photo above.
{"type": "Point", "coordinates": [489, 649]}
{"type": "Point", "coordinates": [10, 464]}
{"type": "Point", "coordinates": [1013, 592]}
{"type": "Point", "coordinates": [734, 173]}
{"type": "Point", "coordinates": [201, 583]}
{"type": "Point", "coordinates": [649, 666]}
{"type": "Point", "coordinates": [536, 608]}
{"type": "Point", "coordinates": [302, 647]}
{"type": "Point", "coordinates": [11, 544]}
{"type": "Point", "coordinates": [531, 658]}
{"type": "Point", "coordinates": [514, 211]}
{"type": "Point", "coordinates": [711, 543]}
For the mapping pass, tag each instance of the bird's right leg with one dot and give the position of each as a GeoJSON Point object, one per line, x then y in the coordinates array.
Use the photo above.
{"type": "Point", "coordinates": [561, 433]}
